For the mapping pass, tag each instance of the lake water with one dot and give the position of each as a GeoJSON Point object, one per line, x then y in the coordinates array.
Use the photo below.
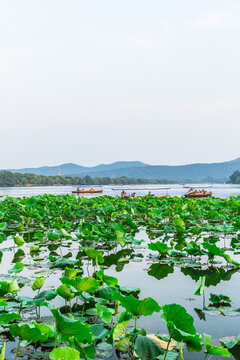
{"type": "Point", "coordinates": [176, 286]}
{"type": "Point", "coordinates": [218, 190]}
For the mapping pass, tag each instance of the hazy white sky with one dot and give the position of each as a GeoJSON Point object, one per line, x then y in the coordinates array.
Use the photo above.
{"type": "Point", "coordinates": [100, 81]}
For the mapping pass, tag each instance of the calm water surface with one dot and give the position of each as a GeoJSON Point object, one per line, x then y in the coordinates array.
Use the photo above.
{"type": "Point", "coordinates": [218, 190]}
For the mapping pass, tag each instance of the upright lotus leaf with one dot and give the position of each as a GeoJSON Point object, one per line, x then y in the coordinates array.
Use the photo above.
{"type": "Point", "coordinates": [120, 328]}
{"type": "Point", "coordinates": [64, 353]}
{"type": "Point", "coordinates": [180, 326]}
{"type": "Point", "coordinates": [121, 238]}
{"type": "Point", "coordinates": [6, 318]}
{"type": "Point", "coordinates": [68, 327]}
{"type": "Point", "coordinates": [147, 349]}
{"type": "Point", "coordinates": [137, 307]}
{"type": "Point", "coordinates": [162, 248]}
{"type": "Point", "coordinates": [31, 332]}
{"type": "Point", "coordinates": [87, 284]}
{"type": "Point", "coordinates": [120, 234]}
{"type": "Point", "coordinates": [47, 295]}
{"type": "Point", "coordinates": [107, 292]}
{"type": "Point", "coordinates": [3, 226]}
{"type": "Point", "coordinates": [34, 249]}
{"type": "Point", "coordinates": [94, 255]}
{"type": "Point", "coordinates": [109, 280]}
{"type": "Point", "coordinates": [123, 344]}
{"type": "Point", "coordinates": [70, 273]}
{"type": "Point", "coordinates": [38, 283]}
{"type": "Point", "coordinates": [17, 268]}
{"type": "Point", "coordinates": [179, 225]}
{"type": "Point", "coordinates": [200, 287]}
{"type": "Point", "coordinates": [18, 240]}
{"type": "Point", "coordinates": [45, 329]}
{"type": "Point", "coordinates": [87, 352]}
{"type": "Point", "coordinates": [214, 350]}
{"type": "Point", "coordinates": [104, 313]}
{"type": "Point", "coordinates": [99, 331]}
{"type": "Point", "coordinates": [65, 234]}
{"type": "Point", "coordinates": [9, 287]}
{"type": "Point", "coordinates": [214, 250]}
{"type": "Point", "coordinates": [65, 292]}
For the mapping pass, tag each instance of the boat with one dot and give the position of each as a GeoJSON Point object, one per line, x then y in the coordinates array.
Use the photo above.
{"type": "Point", "coordinates": [87, 191]}
{"type": "Point", "coordinates": [198, 194]}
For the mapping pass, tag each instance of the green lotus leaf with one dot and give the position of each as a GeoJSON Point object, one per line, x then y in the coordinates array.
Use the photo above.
{"type": "Point", "coordinates": [179, 225]}
{"type": "Point", "coordinates": [104, 313]}
{"type": "Point", "coordinates": [87, 284]}
{"type": "Point", "coordinates": [180, 326]}
{"type": "Point", "coordinates": [38, 283]}
{"type": "Point", "coordinates": [162, 248]}
{"type": "Point", "coordinates": [65, 233]}
{"type": "Point", "coordinates": [137, 307]}
{"type": "Point", "coordinates": [9, 287]}
{"type": "Point", "coordinates": [109, 280]}
{"type": "Point", "coordinates": [6, 318]}
{"type": "Point", "coordinates": [230, 343]}
{"type": "Point", "coordinates": [69, 327]}
{"type": "Point", "coordinates": [18, 240]}
{"type": "Point", "coordinates": [17, 268]}
{"type": "Point", "coordinates": [3, 226]}
{"type": "Point", "coordinates": [65, 292]}
{"type": "Point", "coordinates": [71, 273]}
{"type": "Point", "coordinates": [31, 332]}
{"type": "Point", "coordinates": [64, 353]}
{"type": "Point", "coordinates": [146, 349]}
{"type": "Point", "coordinates": [47, 294]}
{"type": "Point", "coordinates": [214, 350]}
{"type": "Point", "coordinates": [99, 331]}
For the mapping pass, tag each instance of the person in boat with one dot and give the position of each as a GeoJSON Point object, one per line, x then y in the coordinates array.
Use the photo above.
{"type": "Point", "coordinates": [123, 194]}
{"type": "Point", "coordinates": [150, 193]}
{"type": "Point", "coordinates": [78, 188]}
{"type": "Point", "coordinates": [133, 194]}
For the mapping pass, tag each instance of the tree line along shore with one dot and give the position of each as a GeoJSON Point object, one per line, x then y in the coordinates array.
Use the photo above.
{"type": "Point", "coordinates": [8, 178]}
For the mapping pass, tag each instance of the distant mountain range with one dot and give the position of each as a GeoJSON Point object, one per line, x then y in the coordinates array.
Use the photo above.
{"type": "Point", "coordinates": [194, 172]}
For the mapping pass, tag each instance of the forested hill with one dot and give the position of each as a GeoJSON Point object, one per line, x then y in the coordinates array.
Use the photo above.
{"type": "Point", "coordinates": [134, 169]}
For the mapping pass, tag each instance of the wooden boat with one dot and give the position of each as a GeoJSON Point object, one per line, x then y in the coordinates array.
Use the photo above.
{"type": "Point", "coordinates": [161, 196]}
{"type": "Point", "coordinates": [198, 194]}
{"type": "Point", "coordinates": [86, 191]}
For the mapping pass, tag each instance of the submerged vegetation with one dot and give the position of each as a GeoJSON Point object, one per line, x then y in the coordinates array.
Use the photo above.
{"type": "Point", "coordinates": [59, 299]}
{"type": "Point", "coordinates": [8, 178]}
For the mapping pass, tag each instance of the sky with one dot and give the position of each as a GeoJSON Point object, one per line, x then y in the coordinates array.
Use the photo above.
{"type": "Point", "coordinates": [95, 81]}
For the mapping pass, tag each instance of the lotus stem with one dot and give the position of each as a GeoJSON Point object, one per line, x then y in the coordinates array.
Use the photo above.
{"type": "Point", "coordinates": [135, 326]}
{"type": "Point", "coordinates": [83, 308]}
{"type": "Point", "coordinates": [56, 338]}
{"type": "Point", "coordinates": [16, 356]}
{"type": "Point", "coordinates": [165, 357]}
{"type": "Point", "coordinates": [117, 309]}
